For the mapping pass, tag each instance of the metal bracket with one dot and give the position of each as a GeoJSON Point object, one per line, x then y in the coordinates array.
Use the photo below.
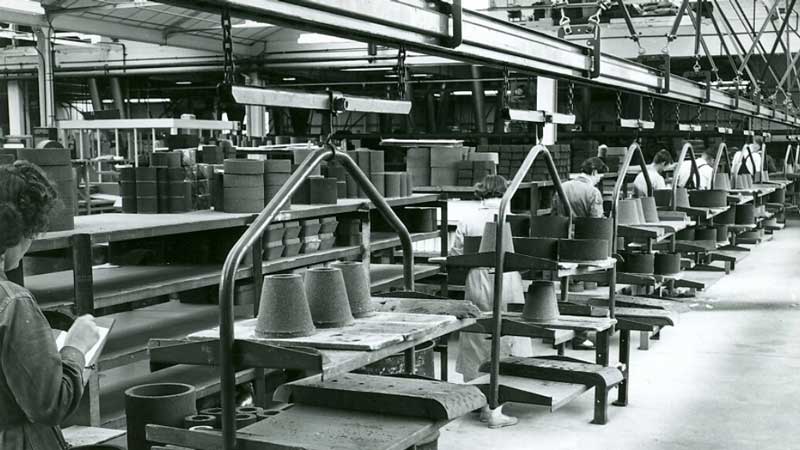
{"type": "Point", "coordinates": [702, 76]}
{"type": "Point", "coordinates": [637, 124]}
{"type": "Point", "coordinates": [325, 101]}
{"type": "Point", "coordinates": [593, 49]}
{"type": "Point", "coordinates": [534, 116]}
{"type": "Point", "coordinates": [455, 10]}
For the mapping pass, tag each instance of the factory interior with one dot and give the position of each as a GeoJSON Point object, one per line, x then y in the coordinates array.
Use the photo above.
{"type": "Point", "coordinates": [399, 224]}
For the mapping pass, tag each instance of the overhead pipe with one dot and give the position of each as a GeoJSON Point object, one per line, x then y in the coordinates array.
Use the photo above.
{"type": "Point", "coordinates": [478, 100]}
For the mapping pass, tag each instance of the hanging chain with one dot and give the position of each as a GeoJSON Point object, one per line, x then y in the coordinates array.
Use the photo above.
{"type": "Point", "coordinates": [651, 109]}
{"type": "Point", "coordinates": [571, 98]}
{"type": "Point", "coordinates": [619, 106]}
{"type": "Point", "coordinates": [505, 88]}
{"type": "Point", "coordinates": [698, 114]}
{"type": "Point", "coordinates": [227, 47]}
{"type": "Point", "coordinates": [602, 5]}
{"type": "Point", "coordinates": [677, 114]}
{"type": "Point", "coordinates": [716, 118]}
{"type": "Point", "coordinates": [402, 72]}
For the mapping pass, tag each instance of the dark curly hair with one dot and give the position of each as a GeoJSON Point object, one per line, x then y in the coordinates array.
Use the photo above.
{"type": "Point", "coordinates": [27, 197]}
{"type": "Point", "coordinates": [492, 186]}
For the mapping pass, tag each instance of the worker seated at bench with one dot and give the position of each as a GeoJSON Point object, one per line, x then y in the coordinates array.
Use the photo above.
{"type": "Point", "coordinates": [655, 169]}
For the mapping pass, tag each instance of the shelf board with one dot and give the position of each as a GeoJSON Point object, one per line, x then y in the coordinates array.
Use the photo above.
{"type": "Point", "coordinates": [384, 276]}
{"type": "Point", "coordinates": [116, 285]}
{"type": "Point", "coordinates": [120, 227]}
{"type": "Point", "coordinates": [384, 240]}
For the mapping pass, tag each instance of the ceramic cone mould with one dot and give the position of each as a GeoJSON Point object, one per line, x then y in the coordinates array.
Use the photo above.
{"type": "Point", "coordinates": [637, 202]}
{"type": "Point", "coordinates": [541, 303]}
{"type": "Point", "coordinates": [627, 212]}
{"type": "Point", "coordinates": [488, 242]}
{"type": "Point", "coordinates": [356, 280]}
{"type": "Point", "coordinates": [722, 181]}
{"type": "Point", "coordinates": [284, 310]}
{"type": "Point", "coordinates": [650, 209]}
{"type": "Point", "coordinates": [327, 297]}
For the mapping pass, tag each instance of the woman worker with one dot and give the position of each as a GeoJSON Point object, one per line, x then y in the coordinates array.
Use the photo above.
{"type": "Point", "coordinates": [39, 386]}
{"type": "Point", "coordinates": [475, 348]}
{"type": "Point", "coordinates": [586, 201]}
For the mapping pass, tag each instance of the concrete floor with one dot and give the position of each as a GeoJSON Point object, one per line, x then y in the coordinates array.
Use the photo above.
{"type": "Point", "coordinates": [723, 378]}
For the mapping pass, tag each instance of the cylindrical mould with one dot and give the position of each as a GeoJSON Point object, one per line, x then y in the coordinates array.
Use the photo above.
{"type": "Point", "coordinates": [284, 310]}
{"type": "Point", "coordinates": [550, 226]}
{"type": "Point", "coordinates": [716, 198]}
{"type": "Point", "coordinates": [650, 209]}
{"type": "Point", "coordinates": [249, 410]}
{"type": "Point", "coordinates": [705, 234]}
{"type": "Point", "coordinates": [537, 247]}
{"type": "Point", "coordinates": [638, 263]}
{"type": "Point", "coordinates": [243, 420]}
{"type": "Point", "coordinates": [327, 297]}
{"type": "Point", "coordinates": [165, 404]}
{"type": "Point", "coordinates": [722, 232]}
{"type": "Point", "coordinates": [199, 420]}
{"type": "Point", "coordinates": [745, 214]}
{"type": "Point", "coordinates": [667, 263]}
{"type": "Point", "coordinates": [594, 228]}
{"type": "Point", "coordinates": [582, 249]}
{"type": "Point", "coordinates": [541, 302]}
{"type": "Point", "coordinates": [685, 234]}
{"type": "Point", "coordinates": [244, 167]}
{"type": "Point", "coordinates": [664, 197]}
{"type": "Point", "coordinates": [779, 196]}
{"type": "Point", "coordinates": [357, 282]}
{"type": "Point", "coordinates": [728, 217]}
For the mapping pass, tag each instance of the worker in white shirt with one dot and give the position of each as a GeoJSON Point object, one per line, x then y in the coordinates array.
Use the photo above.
{"type": "Point", "coordinates": [744, 163]}
{"type": "Point", "coordinates": [655, 169]}
{"type": "Point", "coordinates": [705, 166]}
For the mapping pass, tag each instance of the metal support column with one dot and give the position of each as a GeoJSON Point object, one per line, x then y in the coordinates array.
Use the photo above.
{"type": "Point", "coordinates": [119, 103]}
{"type": "Point", "coordinates": [547, 101]}
{"type": "Point", "coordinates": [94, 93]}
{"type": "Point", "coordinates": [47, 105]}
{"type": "Point", "coordinates": [16, 107]}
{"type": "Point", "coordinates": [255, 113]}
{"type": "Point", "coordinates": [478, 101]}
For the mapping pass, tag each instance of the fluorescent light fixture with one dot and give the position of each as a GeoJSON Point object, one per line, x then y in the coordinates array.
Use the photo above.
{"type": "Point", "coordinates": [139, 100]}
{"type": "Point", "coordinates": [317, 38]}
{"type": "Point", "coordinates": [422, 75]}
{"type": "Point", "coordinates": [490, 93]}
{"type": "Point", "coordinates": [183, 83]}
{"type": "Point", "coordinates": [252, 24]}
{"type": "Point", "coordinates": [461, 93]}
{"type": "Point", "coordinates": [290, 79]}
{"type": "Point", "coordinates": [367, 69]}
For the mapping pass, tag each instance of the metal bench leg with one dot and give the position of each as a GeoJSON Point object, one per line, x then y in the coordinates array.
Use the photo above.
{"type": "Point", "coordinates": [644, 340]}
{"type": "Point", "coordinates": [443, 362]}
{"type": "Point", "coordinates": [625, 359]}
{"type": "Point", "coordinates": [600, 406]}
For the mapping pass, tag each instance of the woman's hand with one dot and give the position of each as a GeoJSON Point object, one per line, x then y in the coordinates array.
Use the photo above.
{"type": "Point", "coordinates": [83, 334]}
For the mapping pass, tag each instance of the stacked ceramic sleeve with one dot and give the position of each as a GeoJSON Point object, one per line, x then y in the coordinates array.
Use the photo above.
{"type": "Point", "coordinates": [512, 156]}
{"type": "Point", "coordinates": [243, 186]}
{"type": "Point", "coordinates": [211, 154]}
{"type": "Point", "coordinates": [160, 188]}
{"type": "Point", "coordinates": [57, 164]}
{"type": "Point", "coordinates": [276, 174]}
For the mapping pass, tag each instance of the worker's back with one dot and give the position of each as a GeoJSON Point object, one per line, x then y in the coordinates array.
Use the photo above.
{"type": "Point", "coordinates": [585, 199]}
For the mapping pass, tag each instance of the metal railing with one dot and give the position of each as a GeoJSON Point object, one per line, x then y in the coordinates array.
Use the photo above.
{"type": "Point", "coordinates": [500, 255]}
{"type": "Point", "coordinates": [253, 235]}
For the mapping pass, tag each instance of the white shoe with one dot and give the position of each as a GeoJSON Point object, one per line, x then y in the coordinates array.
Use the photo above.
{"type": "Point", "coordinates": [497, 419]}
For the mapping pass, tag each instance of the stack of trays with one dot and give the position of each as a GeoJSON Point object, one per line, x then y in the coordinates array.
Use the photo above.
{"type": "Point", "coordinates": [179, 191]}
{"type": "Point", "coordinates": [309, 235]}
{"type": "Point", "coordinates": [327, 229]}
{"type": "Point", "coordinates": [276, 173]}
{"type": "Point", "coordinates": [273, 241]}
{"type": "Point", "coordinates": [291, 239]}
{"type": "Point", "coordinates": [371, 163]}
{"type": "Point", "coordinates": [243, 186]}
{"type": "Point", "coordinates": [127, 188]}
{"type": "Point", "coordinates": [349, 231]}
{"type": "Point", "coordinates": [56, 163]}
{"type": "Point", "coordinates": [146, 190]}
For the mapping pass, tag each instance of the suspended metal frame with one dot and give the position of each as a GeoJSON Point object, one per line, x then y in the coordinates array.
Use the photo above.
{"type": "Point", "coordinates": [721, 150]}
{"type": "Point", "coordinates": [484, 41]}
{"type": "Point", "coordinates": [694, 171]}
{"type": "Point", "coordinates": [634, 149]}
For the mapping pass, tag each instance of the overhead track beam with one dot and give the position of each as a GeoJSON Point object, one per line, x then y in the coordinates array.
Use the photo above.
{"type": "Point", "coordinates": [486, 41]}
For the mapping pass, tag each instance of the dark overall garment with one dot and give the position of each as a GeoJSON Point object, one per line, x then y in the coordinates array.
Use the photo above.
{"type": "Point", "coordinates": [39, 387]}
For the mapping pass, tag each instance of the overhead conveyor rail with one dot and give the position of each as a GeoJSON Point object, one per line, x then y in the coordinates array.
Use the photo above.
{"type": "Point", "coordinates": [485, 40]}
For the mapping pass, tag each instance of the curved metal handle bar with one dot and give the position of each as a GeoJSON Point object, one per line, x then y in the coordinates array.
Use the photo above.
{"type": "Point", "coordinates": [500, 254]}
{"type": "Point", "coordinates": [722, 150]}
{"type": "Point", "coordinates": [253, 235]}
{"type": "Point", "coordinates": [687, 148]}
{"type": "Point", "coordinates": [751, 158]}
{"type": "Point", "coordinates": [786, 158]}
{"type": "Point", "coordinates": [634, 149]}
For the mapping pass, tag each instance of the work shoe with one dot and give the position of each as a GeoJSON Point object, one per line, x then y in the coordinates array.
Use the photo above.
{"type": "Point", "coordinates": [496, 419]}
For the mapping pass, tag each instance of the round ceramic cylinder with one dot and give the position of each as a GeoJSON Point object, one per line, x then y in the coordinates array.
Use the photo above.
{"type": "Point", "coordinates": [667, 263]}
{"type": "Point", "coordinates": [327, 297]}
{"type": "Point", "coordinates": [550, 227]}
{"type": "Point", "coordinates": [165, 404]}
{"type": "Point", "coordinates": [356, 279]}
{"type": "Point", "coordinates": [198, 420]}
{"type": "Point", "coordinates": [745, 214]}
{"type": "Point", "coordinates": [639, 263]}
{"type": "Point", "coordinates": [716, 198]}
{"type": "Point", "coordinates": [706, 234]}
{"type": "Point", "coordinates": [284, 310]}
